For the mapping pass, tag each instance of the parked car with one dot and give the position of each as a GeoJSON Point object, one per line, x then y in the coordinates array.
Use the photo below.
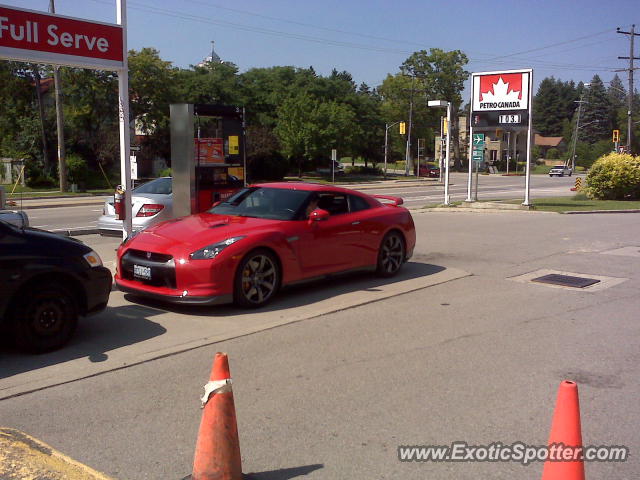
{"type": "Point", "coordinates": [560, 171]}
{"type": "Point", "coordinates": [15, 217]}
{"type": "Point", "coordinates": [265, 236]}
{"type": "Point", "coordinates": [47, 281]}
{"type": "Point", "coordinates": [429, 170]}
{"type": "Point", "coordinates": [338, 169]}
{"type": "Point", "coordinates": [152, 202]}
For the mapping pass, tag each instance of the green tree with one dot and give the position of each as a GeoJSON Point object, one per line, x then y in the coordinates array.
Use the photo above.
{"type": "Point", "coordinates": [553, 104]}
{"type": "Point", "coordinates": [442, 76]}
{"type": "Point", "coordinates": [595, 122]}
{"type": "Point", "coordinates": [91, 116]}
{"type": "Point", "coordinates": [152, 88]}
{"type": "Point", "coordinates": [214, 83]}
{"type": "Point", "coordinates": [19, 124]}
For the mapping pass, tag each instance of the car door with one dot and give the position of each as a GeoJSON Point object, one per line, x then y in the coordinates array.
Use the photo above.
{"type": "Point", "coordinates": [330, 245]}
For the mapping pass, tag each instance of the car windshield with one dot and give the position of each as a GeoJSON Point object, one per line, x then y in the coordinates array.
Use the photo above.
{"type": "Point", "coordinates": [159, 185]}
{"type": "Point", "coordinates": [559, 166]}
{"type": "Point", "coordinates": [264, 202]}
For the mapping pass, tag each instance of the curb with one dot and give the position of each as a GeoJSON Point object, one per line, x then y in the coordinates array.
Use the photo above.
{"type": "Point", "coordinates": [76, 232]}
{"type": "Point", "coordinates": [23, 456]}
{"type": "Point", "coordinates": [587, 212]}
{"type": "Point", "coordinates": [57, 205]}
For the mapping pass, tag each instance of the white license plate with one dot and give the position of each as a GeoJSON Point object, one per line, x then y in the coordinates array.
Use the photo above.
{"type": "Point", "coordinates": [141, 271]}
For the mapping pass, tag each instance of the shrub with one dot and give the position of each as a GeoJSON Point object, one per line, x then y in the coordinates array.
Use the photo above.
{"type": "Point", "coordinates": [553, 154]}
{"type": "Point", "coordinates": [165, 172]}
{"type": "Point", "coordinates": [77, 170]}
{"type": "Point", "coordinates": [614, 176]}
{"type": "Point", "coordinates": [41, 181]}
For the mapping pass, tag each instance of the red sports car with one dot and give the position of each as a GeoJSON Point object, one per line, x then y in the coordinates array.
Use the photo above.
{"type": "Point", "coordinates": [265, 236]}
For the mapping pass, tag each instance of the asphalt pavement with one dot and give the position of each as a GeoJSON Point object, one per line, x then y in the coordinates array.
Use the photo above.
{"type": "Point", "coordinates": [477, 359]}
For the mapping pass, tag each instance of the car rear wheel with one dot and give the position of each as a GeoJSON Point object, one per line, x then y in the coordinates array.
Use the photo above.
{"type": "Point", "coordinates": [257, 279]}
{"type": "Point", "coordinates": [45, 318]}
{"type": "Point", "coordinates": [391, 254]}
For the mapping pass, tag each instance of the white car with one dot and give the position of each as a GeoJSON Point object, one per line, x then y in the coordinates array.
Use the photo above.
{"type": "Point", "coordinates": [560, 171]}
{"type": "Point", "coordinates": [152, 203]}
{"type": "Point", "coordinates": [15, 217]}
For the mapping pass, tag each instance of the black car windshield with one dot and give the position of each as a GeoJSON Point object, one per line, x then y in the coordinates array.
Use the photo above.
{"type": "Point", "coordinates": [159, 185]}
{"type": "Point", "coordinates": [264, 202]}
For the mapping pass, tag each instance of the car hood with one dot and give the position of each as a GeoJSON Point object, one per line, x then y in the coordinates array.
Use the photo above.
{"type": "Point", "coordinates": [196, 231]}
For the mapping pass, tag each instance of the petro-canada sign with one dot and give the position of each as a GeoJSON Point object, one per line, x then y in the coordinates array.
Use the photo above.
{"type": "Point", "coordinates": [30, 36]}
{"type": "Point", "coordinates": [501, 91]}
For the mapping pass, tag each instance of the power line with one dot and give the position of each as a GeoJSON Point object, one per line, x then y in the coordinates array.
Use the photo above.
{"type": "Point", "coordinates": [302, 24]}
{"type": "Point", "coordinates": [554, 44]}
{"type": "Point", "coordinates": [337, 43]}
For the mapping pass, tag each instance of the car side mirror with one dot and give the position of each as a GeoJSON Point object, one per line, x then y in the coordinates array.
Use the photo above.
{"type": "Point", "coordinates": [215, 204]}
{"type": "Point", "coordinates": [318, 215]}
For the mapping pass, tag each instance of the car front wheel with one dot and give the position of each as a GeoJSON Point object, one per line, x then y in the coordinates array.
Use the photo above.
{"type": "Point", "coordinates": [391, 255]}
{"type": "Point", "coordinates": [45, 318]}
{"type": "Point", "coordinates": [257, 279]}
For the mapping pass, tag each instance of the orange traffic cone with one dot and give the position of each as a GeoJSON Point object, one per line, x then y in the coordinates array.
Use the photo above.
{"type": "Point", "coordinates": [565, 429]}
{"type": "Point", "coordinates": [217, 454]}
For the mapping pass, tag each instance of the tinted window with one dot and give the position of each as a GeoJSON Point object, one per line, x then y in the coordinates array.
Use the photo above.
{"type": "Point", "coordinates": [259, 202]}
{"type": "Point", "coordinates": [334, 203]}
{"type": "Point", "coordinates": [357, 203]}
{"type": "Point", "coordinates": [159, 185]}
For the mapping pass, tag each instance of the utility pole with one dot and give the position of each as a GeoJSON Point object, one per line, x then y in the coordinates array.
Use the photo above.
{"type": "Point", "coordinates": [62, 162]}
{"type": "Point", "coordinates": [572, 160]}
{"type": "Point", "coordinates": [631, 58]}
{"type": "Point", "coordinates": [45, 152]}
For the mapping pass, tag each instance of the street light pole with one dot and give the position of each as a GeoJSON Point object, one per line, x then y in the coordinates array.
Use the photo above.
{"type": "Point", "coordinates": [443, 103]}
{"type": "Point", "coordinates": [386, 144]}
{"type": "Point", "coordinates": [408, 151]}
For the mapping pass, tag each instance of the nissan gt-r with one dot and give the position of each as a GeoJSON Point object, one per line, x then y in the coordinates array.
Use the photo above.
{"type": "Point", "coordinates": [243, 250]}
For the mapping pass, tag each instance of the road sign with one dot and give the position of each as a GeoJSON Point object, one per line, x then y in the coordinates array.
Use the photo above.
{"type": "Point", "coordinates": [478, 139]}
{"type": "Point", "coordinates": [37, 37]}
{"type": "Point", "coordinates": [334, 154]}
{"type": "Point", "coordinates": [134, 148]}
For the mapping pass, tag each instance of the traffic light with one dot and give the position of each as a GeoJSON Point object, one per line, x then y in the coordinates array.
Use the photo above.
{"type": "Point", "coordinates": [403, 128]}
{"type": "Point", "coordinates": [616, 136]}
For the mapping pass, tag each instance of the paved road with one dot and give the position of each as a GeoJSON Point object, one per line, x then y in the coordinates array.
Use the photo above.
{"type": "Point", "coordinates": [415, 196]}
{"type": "Point", "coordinates": [477, 359]}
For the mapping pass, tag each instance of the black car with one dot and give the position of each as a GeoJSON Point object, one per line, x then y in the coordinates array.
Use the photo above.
{"type": "Point", "coordinates": [46, 282]}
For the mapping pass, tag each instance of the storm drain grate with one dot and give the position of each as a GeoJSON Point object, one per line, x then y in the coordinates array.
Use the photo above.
{"type": "Point", "coordinates": [566, 280]}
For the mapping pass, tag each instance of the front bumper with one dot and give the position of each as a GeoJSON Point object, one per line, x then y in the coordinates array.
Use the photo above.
{"type": "Point", "coordinates": [176, 279]}
{"type": "Point", "coordinates": [98, 288]}
{"type": "Point", "coordinates": [124, 286]}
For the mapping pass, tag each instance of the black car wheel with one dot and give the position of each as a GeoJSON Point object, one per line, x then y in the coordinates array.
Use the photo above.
{"type": "Point", "coordinates": [391, 254]}
{"type": "Point", "coordinates": [44, 318]}
{"type": "Point", "coordinates": [257, 279]}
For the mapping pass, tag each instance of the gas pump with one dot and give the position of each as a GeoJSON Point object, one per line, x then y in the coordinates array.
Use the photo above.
{"type": "Point", "coordinates": [207, 155]}
{"type": "Point", "coordinates": [118, 203]}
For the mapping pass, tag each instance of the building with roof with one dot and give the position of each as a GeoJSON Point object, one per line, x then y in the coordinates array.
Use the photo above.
{"type": "Point", "coordinates": [213, 58]}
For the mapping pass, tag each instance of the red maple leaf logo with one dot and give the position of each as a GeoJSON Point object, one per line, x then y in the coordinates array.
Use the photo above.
{"type": "Point", "coordinates": [514, 80]}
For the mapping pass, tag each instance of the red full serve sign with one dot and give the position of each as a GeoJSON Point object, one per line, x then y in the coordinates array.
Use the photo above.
{"type": "Point", "coordinates": [39, 37]}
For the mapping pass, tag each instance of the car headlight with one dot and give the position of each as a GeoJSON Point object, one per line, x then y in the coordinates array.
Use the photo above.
{"type": "Point", "coordinates": [93, 259]}
{"type": "Point", "coordinates": [210, 251]}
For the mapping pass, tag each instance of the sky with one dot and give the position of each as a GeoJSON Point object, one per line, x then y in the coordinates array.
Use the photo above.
{"type": "Point", "coordinates": [566, 39]}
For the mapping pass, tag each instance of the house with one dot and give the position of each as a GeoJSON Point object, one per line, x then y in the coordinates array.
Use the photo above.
{"type": "Point", "coordinates": [547, 143]}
